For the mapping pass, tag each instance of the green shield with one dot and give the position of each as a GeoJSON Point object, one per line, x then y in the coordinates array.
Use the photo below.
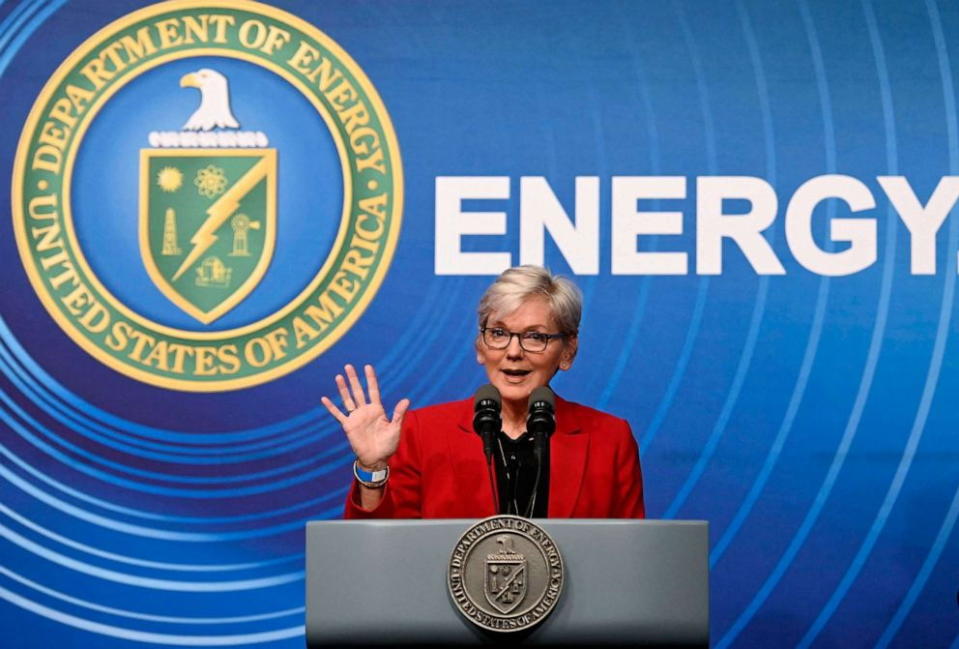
{"type": "Point", "coordinates": [207, 224]}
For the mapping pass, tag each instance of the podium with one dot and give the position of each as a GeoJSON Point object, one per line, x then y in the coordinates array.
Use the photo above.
{"type": "Point", "coordinates": [627, 583]}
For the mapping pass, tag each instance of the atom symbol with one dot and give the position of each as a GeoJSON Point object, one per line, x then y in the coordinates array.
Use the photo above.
{"type": "Point", "coordinates": [210, 181]}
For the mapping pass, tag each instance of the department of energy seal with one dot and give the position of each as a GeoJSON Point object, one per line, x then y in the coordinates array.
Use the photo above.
{"type": "Point", "coordinates": [207, 194]}
{"type": "Point", "coordinates": [505, 574]}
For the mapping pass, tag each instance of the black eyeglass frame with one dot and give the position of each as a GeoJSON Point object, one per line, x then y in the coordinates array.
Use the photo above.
{"type": "Point", "coordinates": [519, 335]}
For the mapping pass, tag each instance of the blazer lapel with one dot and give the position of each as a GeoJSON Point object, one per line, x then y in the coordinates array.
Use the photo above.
{"type": "Point", "coordinates": [568, 448]}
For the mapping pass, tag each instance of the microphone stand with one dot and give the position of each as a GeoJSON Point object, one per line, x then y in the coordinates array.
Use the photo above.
{"type": "Point", "coordinates": [539, 445]}
{"type": "Point", "coordinates": [541, 422]}
{"type": "Point", "coordinates": [486, 421]}
{"type": "Point", "coordinates": [491, 470]}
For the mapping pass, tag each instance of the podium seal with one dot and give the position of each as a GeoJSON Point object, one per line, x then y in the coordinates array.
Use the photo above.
{"type": "Point", "coordinates": [505, 574]}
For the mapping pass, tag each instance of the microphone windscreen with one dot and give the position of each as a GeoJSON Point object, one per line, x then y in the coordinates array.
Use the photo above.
{"type": "Point", "coordinates": [543, 394]}
{"type": "Point", "coordinates": [487, 393]}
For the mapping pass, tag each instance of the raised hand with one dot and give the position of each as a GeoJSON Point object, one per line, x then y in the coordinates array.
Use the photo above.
{"type": "Point", "coordinates": [372, 435]}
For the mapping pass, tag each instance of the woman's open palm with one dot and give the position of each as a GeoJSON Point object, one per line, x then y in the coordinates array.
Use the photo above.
{"type": "Point", "coordinates": [372, 435]}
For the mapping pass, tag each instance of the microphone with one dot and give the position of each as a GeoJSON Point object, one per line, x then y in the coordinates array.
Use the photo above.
{"type": "Point", "coordinates": [541, 414]}
{"type": "Point", "coordinates": [487, 421]}
{"type": "Point", "coordinates": [541, 423]}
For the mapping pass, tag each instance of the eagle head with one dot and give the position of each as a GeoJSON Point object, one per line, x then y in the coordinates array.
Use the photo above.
{"type": "Point", "coordinates": [214, 110]}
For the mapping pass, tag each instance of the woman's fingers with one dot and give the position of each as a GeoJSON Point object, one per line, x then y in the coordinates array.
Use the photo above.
{"type": "Point", "coordinates": [345, 393]}
{"type": "Point", "coordinates": [369, 427]}
{"type": "Point", "coordinates": [356, 386]}
{"type": "Point", "coordinates": [336, 412]}
{"type": "Point", "coordinates": [371, 384]}
{"type": "Point", "coordinates": [400, 411]}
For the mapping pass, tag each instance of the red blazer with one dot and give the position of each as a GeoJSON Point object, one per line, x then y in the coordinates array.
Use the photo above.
{"type": "Point", "coordinates": [438, 470]}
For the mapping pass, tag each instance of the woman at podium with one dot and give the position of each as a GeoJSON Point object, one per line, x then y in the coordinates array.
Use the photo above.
{"type": "Point", "coordinates": [429, 462]}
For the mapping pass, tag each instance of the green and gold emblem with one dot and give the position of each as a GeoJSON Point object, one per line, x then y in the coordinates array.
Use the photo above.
{"type": "Point", "coordinates": [209, 216]}
{"type": "Point", "coordinates": [207, 224]}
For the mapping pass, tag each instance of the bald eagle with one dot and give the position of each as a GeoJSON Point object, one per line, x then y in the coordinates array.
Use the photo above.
{"type": "Point", "coordinates": [214, 110]}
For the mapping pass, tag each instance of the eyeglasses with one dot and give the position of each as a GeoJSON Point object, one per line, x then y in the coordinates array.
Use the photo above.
{"type": "Point", "coordinates": [530, 341]}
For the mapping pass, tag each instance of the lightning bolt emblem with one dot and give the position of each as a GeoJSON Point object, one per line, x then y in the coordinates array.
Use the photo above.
{"type": "Point", "coordinates": [220, 211]}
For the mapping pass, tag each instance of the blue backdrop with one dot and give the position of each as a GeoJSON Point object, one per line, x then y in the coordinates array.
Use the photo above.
{"type": "Point", "coordinates": [806, 417]}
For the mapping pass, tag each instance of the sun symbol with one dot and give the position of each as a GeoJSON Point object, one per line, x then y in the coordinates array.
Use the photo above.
{"type": "Point", "coordinates": [210, 181]}
{"type": "Point", "coordinates": [170, 179]}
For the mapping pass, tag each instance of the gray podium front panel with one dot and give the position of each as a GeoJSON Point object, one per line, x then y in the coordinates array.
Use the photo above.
{"type": "Point", "coordinates": [642, 583]}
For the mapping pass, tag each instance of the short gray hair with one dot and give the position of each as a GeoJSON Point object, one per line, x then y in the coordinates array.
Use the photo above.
{"type": "Point", "coordinates": [517, 284]}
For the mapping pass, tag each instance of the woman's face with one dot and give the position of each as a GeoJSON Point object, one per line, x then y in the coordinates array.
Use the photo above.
{"type": "Point", "coordinates": [514, 371]}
